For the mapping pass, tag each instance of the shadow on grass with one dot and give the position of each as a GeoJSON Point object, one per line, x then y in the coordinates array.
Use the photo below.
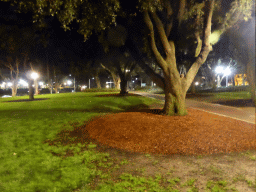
{"type": "Point", "coordinates": [26, 100]}
{"type": "Point", "coordinates": [198, 95]}
{"type": "Point", "coordinates": [118, 95]}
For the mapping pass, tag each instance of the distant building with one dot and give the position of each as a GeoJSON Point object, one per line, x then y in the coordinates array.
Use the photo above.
{"type": "Point", "coordinates": [240, 79]}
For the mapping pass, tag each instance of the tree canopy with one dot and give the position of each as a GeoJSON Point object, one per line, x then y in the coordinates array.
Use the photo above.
{"type": "Point", "coordinates": [167, 27]}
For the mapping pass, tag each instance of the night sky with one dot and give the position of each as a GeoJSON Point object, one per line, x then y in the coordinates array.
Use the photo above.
{"type": "Point", "coordinates": [62, 47]}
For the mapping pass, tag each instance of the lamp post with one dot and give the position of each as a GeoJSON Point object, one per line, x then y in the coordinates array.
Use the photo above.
{"type": "Point", "coordinates": [90, 83]}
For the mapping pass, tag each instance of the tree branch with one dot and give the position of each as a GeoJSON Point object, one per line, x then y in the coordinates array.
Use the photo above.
{"type": "Point", "coordinates": [158, 56]}
{"type": "Point", "coordinates": [162, 34]}
{"type": "Point", "coordinates": [169, 18]}
{"type": "Point", "coordinates": [181, 12]}
{"type": "Point", "coordinates": [206, 46]}
{"type": "Point", "coordinates": [150, 72]}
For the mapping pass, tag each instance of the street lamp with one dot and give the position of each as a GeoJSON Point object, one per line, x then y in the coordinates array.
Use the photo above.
{"type": "Point", "coordinates": [34, 75]}
{"type": "Point", "coordinates": [69, 82]}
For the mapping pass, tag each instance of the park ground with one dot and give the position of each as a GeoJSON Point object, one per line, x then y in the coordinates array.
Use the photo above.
{"type": "Point", "coordinates": [104, 142]}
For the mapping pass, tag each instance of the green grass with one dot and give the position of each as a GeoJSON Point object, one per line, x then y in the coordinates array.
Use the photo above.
{"type": "Point", "coordinates": [30, 164]}
{"type": "Point", "coordinates": [213, 97]}
{"type": "Point", "coordinates": [227, 95]}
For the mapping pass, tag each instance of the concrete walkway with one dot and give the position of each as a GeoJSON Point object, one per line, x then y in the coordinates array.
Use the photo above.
{"type": "Point", "coordinates": [246, 114]}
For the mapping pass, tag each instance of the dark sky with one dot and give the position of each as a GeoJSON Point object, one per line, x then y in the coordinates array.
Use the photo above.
{"type": "Point", "coordinates": [62, 47]}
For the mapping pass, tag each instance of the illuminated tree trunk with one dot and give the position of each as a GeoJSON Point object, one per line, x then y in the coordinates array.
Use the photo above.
{"type": "Point", "coordinates": [175, 103]}
{"type": "Point", "coordinates": [56, 87]}
{"type": "Point", "coordinates": [116, 80]}
{"type": "Point", "coordinates": [31, 90]}
{"type": "Point", "coordinates": [97, 79]}
{"type": "Point", "coordinates": [14, 88]}
{"type": "Point", "coordinates": [250, 70]}
{"type": "Point", "coordinates": [193, 87]}
{"type": "Point", "coordinates": [36, 86]}
{"type": "Point", "coordinates": [175, 86]}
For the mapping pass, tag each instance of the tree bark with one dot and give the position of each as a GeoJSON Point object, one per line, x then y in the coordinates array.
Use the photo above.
{"type": "Point", "coordinates": [14, 88]}
{"type": "Point", "coordinates": [97, 79]}
{"type": "Point", "coordinates": [175, 103]}
{"type": "Point", "coordinates": [56, 87]}
{"type": "Point", "coordinates": [117, 81]}
{"type": "Point", "coordinates": [31, 90]}
{"type": "Point", "coordinates": [250, 70]}
{"type": "Point", "coordinates": [193, 87]}
{"type": "Point", "coordinates": [36, 86]}
{"type": "Point", "coordinates": [123, 85]}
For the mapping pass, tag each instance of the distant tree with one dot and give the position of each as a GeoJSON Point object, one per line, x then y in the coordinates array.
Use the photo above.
{"type": "Point", "coordinates": [121, 65]}
{"type": "Point", "coordinates": [108, 66]}
{"type": "Point", "coordinates": [165, 23]}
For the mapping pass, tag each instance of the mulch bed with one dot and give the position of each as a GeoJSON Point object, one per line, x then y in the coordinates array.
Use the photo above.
{"type": "Point", "coordinates": [198, 132]}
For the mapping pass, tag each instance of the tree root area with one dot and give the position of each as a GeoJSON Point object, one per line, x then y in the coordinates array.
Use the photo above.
{"type": "Point", "coordinates": [198, 132]}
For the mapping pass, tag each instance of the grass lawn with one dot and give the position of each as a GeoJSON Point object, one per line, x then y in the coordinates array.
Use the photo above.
{"type": "Point", "coordinates": [210, 97]}
{"type": "Point", "coordinates": [213, 97]}
{"type": "Point", "coordinates": [28, 163]}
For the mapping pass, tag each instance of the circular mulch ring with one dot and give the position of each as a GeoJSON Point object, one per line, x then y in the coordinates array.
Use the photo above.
{"type": "Point", "coordinates": [198, 132]}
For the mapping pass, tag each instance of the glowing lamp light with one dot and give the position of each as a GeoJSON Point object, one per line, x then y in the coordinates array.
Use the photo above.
{"type": "Point", "coordinates": [69, 82]}
{"type": "Point", "coordinates": [227, 71]}
{"type": "Point", "coordinates": [41, 83]}
{"type": "Point", "coordinates": [34, 75]}
{"type": "Point", "coordinates": [219, 69]}
{"type": "Point", "coordinates": [23, 83]}
{"type": "Point", "coordinates": [196, 83]}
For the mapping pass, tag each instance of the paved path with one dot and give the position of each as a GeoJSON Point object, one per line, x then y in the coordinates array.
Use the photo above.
{"type": "Point", "coordinates": [244, 114]}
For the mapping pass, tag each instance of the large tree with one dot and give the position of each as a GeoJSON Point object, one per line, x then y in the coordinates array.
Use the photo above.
{"type": "Point", "coordinates": [167, 22]}
{"type": "Point", "coordinates": [242, 44]}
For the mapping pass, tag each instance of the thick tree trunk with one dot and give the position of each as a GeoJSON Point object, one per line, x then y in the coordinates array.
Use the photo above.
{"type": "Point", "coordinates": [123, 86]}
{"type": "Point", "coordinates": [31, 90]}
{"type": "Point", "coordinates": [36, 86]}
{"type": "Point", "coordinates": [213, 84]}
{"type": "Point", "coordinates": [193, 87]}
{"type": "Point", "coordinates": [174, 102]}
{"type": "Point", "coordinates": [116, 80]}
{"type": "Point", "coordinates": [250, 70]}
{"type": "Point", "coordinates": [97, 79]}
{"type": "Point", "coordinates": [14, 88]}
{"type": "Point", "coordinates": [56, 87]}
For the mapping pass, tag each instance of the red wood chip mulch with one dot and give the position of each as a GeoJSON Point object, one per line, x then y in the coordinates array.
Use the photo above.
{"type": "Point", "coordinates": [198, 132]}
